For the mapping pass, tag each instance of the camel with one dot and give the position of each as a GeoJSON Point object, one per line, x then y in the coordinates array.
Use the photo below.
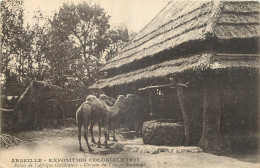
{"type": "Point", "coordinates": [113, 120]}
{"type": "Point", "coordinates": [27, 106]}
{"type": "Point", "coordinates": [130, 113]}
{"type": "Point", "coordinates": [92, 111]}
{"type": "Point", "coordinates": [110, 101]}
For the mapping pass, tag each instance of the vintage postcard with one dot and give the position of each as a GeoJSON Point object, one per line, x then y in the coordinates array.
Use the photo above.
{"type": "Point", "coordinates": [129, 83]}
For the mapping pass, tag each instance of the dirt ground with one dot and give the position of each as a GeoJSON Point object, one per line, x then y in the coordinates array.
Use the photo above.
{"type": "Point", "coordinates": [59, 148]}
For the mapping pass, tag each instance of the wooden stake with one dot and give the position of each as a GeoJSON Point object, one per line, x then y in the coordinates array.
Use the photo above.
{"type": "Point", "coordinates": [151, 103]}
{"type": "Point", "coordinates": [183, 110]}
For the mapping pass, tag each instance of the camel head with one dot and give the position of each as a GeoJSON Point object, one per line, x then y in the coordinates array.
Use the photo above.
{"type": "Point", "coordinates": [130, 99]}
{"type": "Point", "coordinates": [128, 103]}
{"type": "Point", "coordinates": [121, 100]}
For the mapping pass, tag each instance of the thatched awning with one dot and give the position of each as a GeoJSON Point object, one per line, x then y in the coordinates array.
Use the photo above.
{"type": "Point", "coordinates": [222, 61]}
{"type": "Point", "coordinates": [183, 21]}
{"type": "Point", "coordinates": [193, 63]}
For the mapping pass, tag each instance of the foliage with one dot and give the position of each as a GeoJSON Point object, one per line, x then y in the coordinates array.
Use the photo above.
{"type": "Point", "coordinates": [85, 26]}
{"type": "Point", "coordinates": [118, 37]}
{"type": "Point", "coordinates": [66, 49]}
{"type": "Point", "coordinates": [11, 40]}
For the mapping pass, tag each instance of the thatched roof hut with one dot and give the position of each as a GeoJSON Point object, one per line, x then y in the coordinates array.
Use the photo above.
{"type": "Point", "coordinates": [186, 35]}
{"type": "Point", "coordinates": [212, 44]}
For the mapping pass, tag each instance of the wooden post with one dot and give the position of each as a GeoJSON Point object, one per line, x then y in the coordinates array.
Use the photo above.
{"type": "Point", "coordinates": [211, 136]}
{"type": "Point", "coordinates": [183, 110]}
{"type": "Point", "coordinates": [151, 103]}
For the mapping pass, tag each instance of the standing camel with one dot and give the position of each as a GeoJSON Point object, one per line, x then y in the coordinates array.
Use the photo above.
{"type": "Point", "coordinates": [113, 120]}
{"type": "Point", "coordinates": [94, 111]}
{"type": "Point", "coordinates": [110, 101]}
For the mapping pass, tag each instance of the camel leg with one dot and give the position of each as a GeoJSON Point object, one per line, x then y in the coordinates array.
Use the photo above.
{"type": "Point", "coordinates": [79, 137]}
{"type": "Point", "coordinates": [99, 135]}
{"type": "Point", "coordinates": [86, 137]}
{"type": "Point", "coordinates": [114, 135]}
{"type": "Point", "coordinates": [109, 130]}
{"type": "Point", "coordinates": [112, 129]}
{"type": "Point", "coordinates": [106, 136]}
{"type": "Point", "coordinates": [91, 132]}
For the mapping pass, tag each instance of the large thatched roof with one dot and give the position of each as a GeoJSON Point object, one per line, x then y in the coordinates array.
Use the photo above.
{"type": "Point", "coordinates": [178, 23]}
{"type": "Point", "coordinates": [182, 21]}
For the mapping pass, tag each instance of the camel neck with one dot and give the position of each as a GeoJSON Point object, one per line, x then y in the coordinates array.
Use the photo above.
{"type": "Point", "coordinates": [114, 110]}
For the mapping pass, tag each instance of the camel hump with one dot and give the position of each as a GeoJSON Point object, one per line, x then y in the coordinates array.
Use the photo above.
{"type": "Point", "coordinates": [108, 100]}
{"type": "Point", "coordinates": [92, 99]}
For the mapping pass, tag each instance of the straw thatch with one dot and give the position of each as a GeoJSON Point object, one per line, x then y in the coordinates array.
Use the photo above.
{"type": "Point", "coordinates": [8, 141]}
{"type": "Point", "coordinates": [192, 63]}
{"type": "Point", "coordinates": [201, 61]}
{"type": "Point", "coordinates": [183, 21]}
{"type": "Point", "coordinates": [187, 26]}
{"type": "Point", "coordinates": [221, 61]}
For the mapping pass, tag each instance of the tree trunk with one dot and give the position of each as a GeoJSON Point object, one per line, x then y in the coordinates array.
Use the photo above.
{"type": "Point", "coordinates": [20, 67]}
{"type": "Point", "coordinates": [211, 136]}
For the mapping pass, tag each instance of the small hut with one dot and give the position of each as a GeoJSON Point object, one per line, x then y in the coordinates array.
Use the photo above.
{"type": "Point", "coordinates": [199, 59]}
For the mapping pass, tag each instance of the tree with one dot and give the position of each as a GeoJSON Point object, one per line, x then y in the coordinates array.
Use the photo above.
{"type": "Point", "coordinates": [38, 32]}
{"type": "Point", "coordinates": [11, 26]}
{"type": "Point", "coordinates": [27, 53]}
{"type": "Point", "coordinates": [61, 54]}
{"type": "Point", "coordinates": [118, 37]}
{"type": "Point", "coordinates": [66, 49]}
{"type": "Point", "coordinates": [85, 25]}
{"type": "Point", "coordinates": [11, 34]}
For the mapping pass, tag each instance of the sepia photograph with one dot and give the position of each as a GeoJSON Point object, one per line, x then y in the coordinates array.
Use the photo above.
{"type": "Point", "coordinates": [129, 84]}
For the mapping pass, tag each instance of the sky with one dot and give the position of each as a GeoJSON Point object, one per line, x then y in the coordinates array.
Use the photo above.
{"type": "Point", "coordinates": [135, 14]}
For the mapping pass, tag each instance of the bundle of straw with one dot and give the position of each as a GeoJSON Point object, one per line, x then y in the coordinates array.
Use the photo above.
{"type": "Point", "coordinates": [8, 141]}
